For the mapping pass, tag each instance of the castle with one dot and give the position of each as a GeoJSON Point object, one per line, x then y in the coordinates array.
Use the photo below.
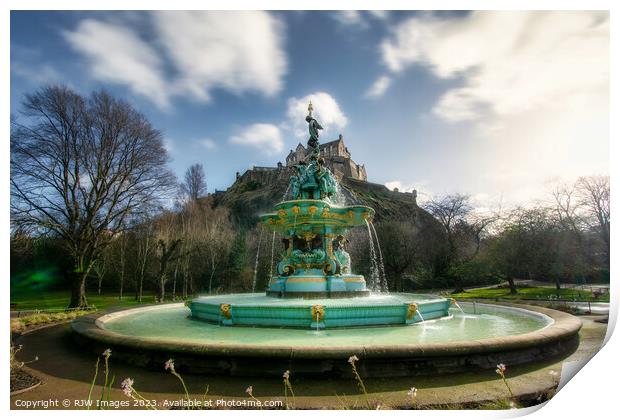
{"type": "Point", "coordinates": [337, 159]}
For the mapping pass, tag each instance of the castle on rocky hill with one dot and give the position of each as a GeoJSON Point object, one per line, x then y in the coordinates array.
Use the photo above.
{"type": "Point", "coordinates": [337, 159]}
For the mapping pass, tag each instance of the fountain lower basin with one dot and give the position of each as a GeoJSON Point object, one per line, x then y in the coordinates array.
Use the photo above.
{"type": "Point", "coordinates": [314, 313]}
{"type": "Point", "coordinates": [479, 338]}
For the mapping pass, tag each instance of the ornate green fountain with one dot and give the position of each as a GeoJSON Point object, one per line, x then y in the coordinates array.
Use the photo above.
{"type": "Point", "coordinates": [315, 262]}
{"type": "Point", "coordinates": [315, 286]}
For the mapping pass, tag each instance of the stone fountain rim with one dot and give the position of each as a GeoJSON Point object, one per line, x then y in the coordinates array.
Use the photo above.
{"type": "Point", "coordinates": [563, 328]}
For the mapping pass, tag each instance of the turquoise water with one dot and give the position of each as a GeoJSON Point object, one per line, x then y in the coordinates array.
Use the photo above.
{"type": "Point", "coordinates": [172, 322]}
{"type": "Point", "coordinates": [261, 299]}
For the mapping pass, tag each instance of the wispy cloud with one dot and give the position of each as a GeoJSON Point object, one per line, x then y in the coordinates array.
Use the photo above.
{"type": "Point", "coordinates": [349, 18]}
{"type": "Point", "coordinates": [264, 137]}
{"type": "Point", "coordinates": [533, 85]}
{"type": "Point", "coordinates": [208, 144]}
{"type": "Point", "coordinates": [116, 54]}
{"type": "Point", "coordinates": [189, 54]}
{"type": "Point", "coordinates": [379, 87]}
{"type": "Point", "coordinates": [510, 62]}
{"type": "Point", "coordinates": [37, 75]}
{"type": "Point", "coordinates": [358, 18]}
{"type": "Point", "coordinates": [326, 110]}
{"type": "Point", "coordinates": [238, 51]}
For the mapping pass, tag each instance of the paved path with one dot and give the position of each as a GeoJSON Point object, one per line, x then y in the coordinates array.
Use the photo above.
{"type": "Point", "coordinates": [67, 372]}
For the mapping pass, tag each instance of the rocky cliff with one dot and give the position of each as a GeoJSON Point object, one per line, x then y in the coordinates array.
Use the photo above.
{"type": "Point", "coordinates": [257, 191]}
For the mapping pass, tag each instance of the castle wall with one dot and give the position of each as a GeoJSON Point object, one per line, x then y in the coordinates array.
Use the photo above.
{"type": "Point", "coordinates": [337, 159]}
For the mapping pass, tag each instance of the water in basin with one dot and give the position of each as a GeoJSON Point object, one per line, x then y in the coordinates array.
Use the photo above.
{"type": "Point", "coordinates": [171, 322]}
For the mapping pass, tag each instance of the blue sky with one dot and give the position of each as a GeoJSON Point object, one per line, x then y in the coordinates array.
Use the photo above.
{"type": "Point", "coordinates": [493, 104]}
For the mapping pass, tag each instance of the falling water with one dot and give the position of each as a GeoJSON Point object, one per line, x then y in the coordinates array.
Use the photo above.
{"type": "Point", "coordinates": [260, 238]}
{"type": "Point", "coordinates": [420, 315]}
{"type": "Point", "coordinates": [339, 198]}
{"type": "Point", "coordinates": [288, 187]}
{"type": "Point", "coordinates": [317, 321]}
{"type": "Point", "coordinates": [374, 269]}
{"type": "Point", "coordinates": [273, 241]}
{"type": "Point", "coordinates": [381, 267]}
{"type": "Point", "coordinates": [459, 306]}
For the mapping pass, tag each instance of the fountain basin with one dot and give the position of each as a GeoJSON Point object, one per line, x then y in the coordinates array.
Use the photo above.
{"type": "Point", "coordinates": [317, 286]}
{"type": "Point", "coordinates": [265, 311]}
{"type": "Point", "coordinates": [316, 216]}
{"type": "Point", "coordinates": [511, 334]}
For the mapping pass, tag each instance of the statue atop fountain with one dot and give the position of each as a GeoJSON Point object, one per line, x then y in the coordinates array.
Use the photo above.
{"type": "Point", "coordinates": [314, 261]}
{"type": "Point", "coordinates": [313, 180]}
{"type": "Point", "coordinates": [313, 129]}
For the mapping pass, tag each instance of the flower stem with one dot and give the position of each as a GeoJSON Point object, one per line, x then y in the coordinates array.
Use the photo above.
{"type": "Point", "coordinates": [92, 384]}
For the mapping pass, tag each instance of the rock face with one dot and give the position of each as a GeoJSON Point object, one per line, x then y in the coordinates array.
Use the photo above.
{"type": "Point", "coordinates": [258, 189]}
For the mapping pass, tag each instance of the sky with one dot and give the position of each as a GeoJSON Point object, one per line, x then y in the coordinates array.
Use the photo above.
{"type": "Point", "coordinates": [497, 105]}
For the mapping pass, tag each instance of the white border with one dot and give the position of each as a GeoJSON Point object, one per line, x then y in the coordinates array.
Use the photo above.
{"type": "Point", "coordinates": [590, 394]}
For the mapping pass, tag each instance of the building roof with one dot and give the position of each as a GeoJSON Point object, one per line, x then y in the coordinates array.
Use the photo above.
{"type": "Point", "coordinates": [329, 143]}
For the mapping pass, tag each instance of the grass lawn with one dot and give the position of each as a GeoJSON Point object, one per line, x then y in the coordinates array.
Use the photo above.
{"type": "Point", "coordinates": [543, 293]}
{"type": "Point", "coordinates": [50, 300]}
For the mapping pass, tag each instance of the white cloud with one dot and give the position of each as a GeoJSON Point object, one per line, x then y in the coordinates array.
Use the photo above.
{"type": "Point", "coordinates": [380, 14]}
{"type": "Point", "coordinates": [208, 144]}
{"type": "Point", "coordinates": [404, 186]}
{"type": "Point", "coordinates": [326, 111]}
{"type": "Point", "coordinates": [379, 87]}
{"type": "Point", "coordinates": [264, 137]}
{"type": "Point", "coordinates": [357, 18]}
{"type": "Point", "coordinates": [239, 51]}
{"type": "Point", "coordinates": [169, 145]}
{"type": "Point", "coordinates": [349, 17]}
{"type": "Point", "coordinates": [510, 62]}
{"type": "Point", "coordinates": [396, 184]}
{"type": "Point", "coordinates": [190, 53]}
{"type": "Point", "coordinates": [36, 74]}
{"type": "Point", "coordinates": [116, 54]}
{"type": "Point", "coordinates": [534, 85]}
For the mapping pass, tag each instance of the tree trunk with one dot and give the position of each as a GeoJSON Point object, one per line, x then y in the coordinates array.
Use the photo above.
{"type": "Point", "coordinates": [511, 284]}
{"type": "Point", "coordinates": [78, 290]}
{"type": "Point", "coordinates": [120, 293]}
{"type": "Point", "coordinates": [162, 286]}
{"type": "Point", "coordinates": [212, 272]}
{"type": "Point", "coordinates": [557, 288]}
{"type": "Point", "coordinates": [174, 282]}
{"type": "Point", "coordinates": [458, 285]}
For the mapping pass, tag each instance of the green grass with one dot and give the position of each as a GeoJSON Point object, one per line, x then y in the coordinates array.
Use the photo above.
{"type": "Point", "coordinates": [542, 293]}
{"type": "Point", "coordinates": [58, 300]}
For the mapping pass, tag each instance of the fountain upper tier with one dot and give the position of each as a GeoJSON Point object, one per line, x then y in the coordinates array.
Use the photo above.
{"type": "Point", "coordinates": [316, 216]}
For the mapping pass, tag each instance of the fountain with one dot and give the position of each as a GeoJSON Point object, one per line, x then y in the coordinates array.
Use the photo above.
{"type": "Point", "coordinates": [316, 312]}
{"type": "Point", "coordinates": [315, 268]}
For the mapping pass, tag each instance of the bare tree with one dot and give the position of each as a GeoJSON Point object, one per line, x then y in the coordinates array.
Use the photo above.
{"type": "Point", "coordinates": [463, 230]}
{"type": "Point", "coordinates": [144, 250]}
{"type": "Point", "coordinates": [218, 237]}
{"type": "Point", "coordinates": [593, 192]}
{"type": "Point", "coordinates": [400, 244]}
{"type": "Point", "coordinates": [168, 248]}
{"type": "Point", "coordinates": [80, 168]}
{"type": "Point", "coordinates": [100, 267]}
{"type": "Point", "coordinates": [195, 184]}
